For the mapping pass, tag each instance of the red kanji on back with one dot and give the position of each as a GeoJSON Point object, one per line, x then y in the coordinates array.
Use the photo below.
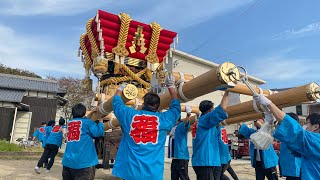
{"type": "Point", "coordinates": [194, 129]}
{"type": "Point", "coordinates": [55, 129]}
{"type": "Point", "coordinates": [74, 131]}
{"type": "Point", "coordinates": [224, 136]}
{"type": "Point", "coordinates": [145, 129]}
{"type": "Point", "coordinates": [41, 130]}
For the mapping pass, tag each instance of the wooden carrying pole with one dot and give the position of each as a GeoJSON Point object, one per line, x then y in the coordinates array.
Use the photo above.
{"type": "Point", "coordinates": [243, 89]}
{"type": "Point", "coordinates": [239, 88]}
{"type": "Point", "coordinates": [196, 87]}
{"type": "Point", "coordinates": [292, 96]}
{"type": "Point", "coordinates": [203, 84]}
{"type": "Point", "coordinates": [244, 112]}
{"type": "Point", "coordinates": [129, 93]}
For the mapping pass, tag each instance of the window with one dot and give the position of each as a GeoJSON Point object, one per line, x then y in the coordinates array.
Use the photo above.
{"type": "Point", "coordinates": [299, 110]}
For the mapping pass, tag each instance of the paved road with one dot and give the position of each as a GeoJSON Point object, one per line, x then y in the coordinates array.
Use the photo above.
{"type": "Point", "coordinates": [23, 170]}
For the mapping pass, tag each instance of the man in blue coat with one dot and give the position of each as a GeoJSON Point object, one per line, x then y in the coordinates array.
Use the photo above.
{"type": "Point", "coordinates": [80, 156]}
{"type": "Point", "coordinates": [54, 141]}
{"type": "Point", "coordinates": [290, 164]}
{"type": "Point", "coordinates": [205, 144]}
{"type": "Point", "coordinates": [264, 161]}
{"type": "Point", "coordinates": [40, 132]}
{"type": "Point", "coordinates": [141, 151]}
{"type": "Point", "coordinates": [178, 148]}
{"type": "Point", "coordinates": [305, 142]}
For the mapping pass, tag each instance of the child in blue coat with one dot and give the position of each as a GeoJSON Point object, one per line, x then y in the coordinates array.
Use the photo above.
{"type": "Point", "coordinates": [53, 142]}
{"type": "Point", "coordinates": [178, 148]}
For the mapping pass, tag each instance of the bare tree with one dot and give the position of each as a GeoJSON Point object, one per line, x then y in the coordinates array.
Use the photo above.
{"type": "Point", "coordinates": [74, 94]}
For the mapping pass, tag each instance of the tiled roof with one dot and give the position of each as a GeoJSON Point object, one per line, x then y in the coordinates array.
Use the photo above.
{"type": "Point", "coordinates": [10, 95]}
{"type": "Point", "coordinates": [8, 81]}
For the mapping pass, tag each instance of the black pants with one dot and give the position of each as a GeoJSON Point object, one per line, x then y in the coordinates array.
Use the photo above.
{"type": "Point", "coordinates": [292, 178]}
{"type": "Point", "coordinates": [45, 164]}
{"type": "Point", "coordinates": [232, 173]}
{"type": "Point", "coordinates": [179, 169]}
{"type": "Point", "coordinates": [204, 172]}
{"type": "Point", "coordinates": [234, 154]}
{"type": "Point", "coordinates": [50, 151]}
{"type": "Point", "coordinates": [78, 174]}
{"type": "Point", "coordinates": [218, 172]}
{"type": "Point", "coordinates": [261, 173]}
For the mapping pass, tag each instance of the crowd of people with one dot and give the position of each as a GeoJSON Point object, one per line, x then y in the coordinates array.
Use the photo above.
{"type": "Point", "coordinates": [141, 151]}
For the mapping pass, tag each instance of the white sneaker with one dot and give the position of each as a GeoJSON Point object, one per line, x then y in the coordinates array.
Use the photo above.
{"type": "Point", "coordinates": [48, 170]}
{"type": "Point", "coordinates": [37, 169]}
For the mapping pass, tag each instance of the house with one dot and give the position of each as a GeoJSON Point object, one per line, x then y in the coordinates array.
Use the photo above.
{"type": "Point", "coordinates": [26, 102]}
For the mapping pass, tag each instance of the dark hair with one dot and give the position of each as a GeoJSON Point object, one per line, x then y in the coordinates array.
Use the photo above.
{"type": "Point", "coordinates": [79, 110]}
{"type": "Point", "coordinates": [205, 105]}
{"type": "Point", "coordinates": [294, 116]}
{"type": "Point", "coordinates": [314, 118]}
{"type": "Point", "coordinates": [151, 100]}
{"type": "Point", "coordinates": [61, 121]}
{"type": "Point", "coordinates": [51, 123]}
{"type": "Point", "coordinates": [43, 123]}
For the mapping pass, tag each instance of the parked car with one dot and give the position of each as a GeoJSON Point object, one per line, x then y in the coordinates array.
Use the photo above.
{"type": "Point", "coordinates": [244, 149]}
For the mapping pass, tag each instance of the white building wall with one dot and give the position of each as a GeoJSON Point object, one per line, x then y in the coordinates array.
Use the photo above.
{"type": "Point", "coordinates": [290, 109]}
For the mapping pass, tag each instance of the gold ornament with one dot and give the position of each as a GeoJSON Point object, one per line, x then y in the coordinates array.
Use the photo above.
{"type": "Point", "coordinates": [138, 40]}
{"type": "Point", "coordinates": [130, 91]}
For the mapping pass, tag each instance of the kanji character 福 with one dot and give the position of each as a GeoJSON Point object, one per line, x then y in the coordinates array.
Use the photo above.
{"type": "Point", "coordinates": [74, 131]}
{"type": "Point", "coordinates": [144, 129]}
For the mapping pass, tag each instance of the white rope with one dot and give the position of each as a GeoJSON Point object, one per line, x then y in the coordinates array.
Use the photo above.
{"type": "Point", "coordinates": [224, 123]}
{"type": "Point", "coordinates": [110, 121]}
{"type": "Point", "coordinates": [182, 96]}
{"type": "Point", "coordinates": [181, 78]}
{"type": "Point", "coordinates": [254, 103]}
{"type": "Point", "coordinates": [136, 103]}
{"type": "Point", "coordinates": [102, 111]}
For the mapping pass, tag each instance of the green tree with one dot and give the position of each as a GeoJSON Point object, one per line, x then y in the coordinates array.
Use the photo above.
{"type": "Point", "coordinates": [15, 71]}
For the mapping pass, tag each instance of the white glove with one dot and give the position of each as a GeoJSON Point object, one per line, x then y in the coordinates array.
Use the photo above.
{"type": "Point", "coordinates": [122, 86]}
{"type": "Point", "coordinates": [188, 109]}
{"type": "Point", "coordinates": [261, 100]}
{"type": "Point", "coordinates": [169, 81]}
{"type": "Point", "coordinates": [269, 118]}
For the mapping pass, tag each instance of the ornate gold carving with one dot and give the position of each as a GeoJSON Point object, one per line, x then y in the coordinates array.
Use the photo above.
{"type": "Point", "coordinates": [130, 91]}
{"type": "Point", "coordinates": [86, 85]}
{"type": "Point", "coordinates": [120, 49]}
{"type": "Point", "coordinates": [152, 56]}
{"type": "Point", "coordinates": [138, 40]}
{"type": "Point", "coordinates": [313, 91]}
{"type": "Point", "coordinates": [100, 65]}
{"type": "Point", "coordinates": [223, 73]}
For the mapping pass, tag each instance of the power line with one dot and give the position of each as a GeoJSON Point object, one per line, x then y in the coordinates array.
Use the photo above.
{"type": "Point", "coordinates": [214, 36]}
{"type": "Point", "coordinates": [273, 37]}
